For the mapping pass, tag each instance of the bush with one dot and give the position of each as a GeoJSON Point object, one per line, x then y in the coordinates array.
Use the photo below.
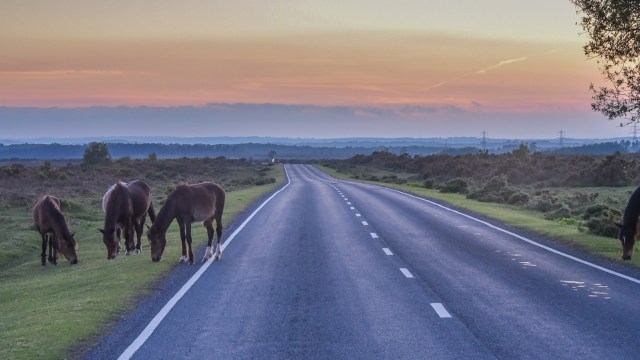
{"type": "Point", "coordinates": [455, 186]}
{"type": "Point", "coordinates": [96, 153]}
{"type": "Point", "coordinates": [600, 220]}
{"type": "Point", "coordinates": [495, 190]}
{"type": "Point", "coordinates": [518, 198]}
{"type": "Point", "coordinates": [429, 184]}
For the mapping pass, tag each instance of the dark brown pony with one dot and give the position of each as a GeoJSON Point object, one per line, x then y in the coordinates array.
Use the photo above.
{"type": "Point", "coordinates": [126, 207]}
{"type": "Point", "coordinates": [629, 226]}
{"type": "Point", "coordinates": [51, 225]}
{"type": "Point", "coordinates": [187, 204]}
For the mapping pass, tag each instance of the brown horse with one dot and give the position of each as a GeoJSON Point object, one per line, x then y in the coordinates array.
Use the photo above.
{"type": "Point", "coordinates": [126, 206]}
{"type": "Point", "coordinates": [629, 226]}
{"type": "Point", "coordinates": [187, 204]}
{"type": "Point", "coordinates": [51, 225]}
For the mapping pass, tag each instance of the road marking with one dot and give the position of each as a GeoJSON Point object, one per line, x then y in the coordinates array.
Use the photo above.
{"type": "Point", "coordinates": [365, 223]}
{"type": "Point", "coordinates": [440, 310]}
{"type": "Point", "coordinates": [153, 324]}
{"type": "Point", "coordinates": [348, 203]}
{"type": "Point", "coordinates": [358, 215]}
{"type": "Point", "coordinates": [387, 251]}
{"type": "Point", "coordinates": [374, 235]}
{"type": "Point", "coordinates": [352, 208]}
{"type": "Point", "coordinates": [406, 273]}
{"type": "Point", "coordinates": [552, 250]}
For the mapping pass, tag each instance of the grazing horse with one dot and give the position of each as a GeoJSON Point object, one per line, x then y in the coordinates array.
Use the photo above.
{"type": "Point", "coordinates": [51, 225]}
{"type": "Point", "coordinates": [187, 204]}
{"type": "Point", "coordinates": [126, 206]}
{"type": "Point", "coordinates": [629, 226]}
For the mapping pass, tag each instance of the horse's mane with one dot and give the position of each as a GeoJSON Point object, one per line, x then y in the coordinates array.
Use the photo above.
{"type": "Point", "coordinates": [632, 211]}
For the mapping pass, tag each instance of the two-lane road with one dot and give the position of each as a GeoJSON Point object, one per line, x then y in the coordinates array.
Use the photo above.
{"type": "Point", "coordinates": [329, 269]}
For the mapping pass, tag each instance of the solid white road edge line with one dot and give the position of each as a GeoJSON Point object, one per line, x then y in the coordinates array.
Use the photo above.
{"type": "Point", "coordinates": [440, 310]}
{"type": "Point", "coordinates": [584, 262]}
{"type": "Point", "coordinates": [153, 324]}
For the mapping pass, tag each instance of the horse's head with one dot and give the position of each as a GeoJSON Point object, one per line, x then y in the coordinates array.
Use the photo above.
{"type": "Point", "coordinates": [68, 247]}
{"type": "Point", "coordinates": [158, 241]}
{"type": "Point", "coordinates": [110, 240]}
{"type": "Point", "coordinates": [627, 237]}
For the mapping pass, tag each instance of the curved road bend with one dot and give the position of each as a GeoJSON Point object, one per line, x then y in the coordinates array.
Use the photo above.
{"type": "Point", "coordinates": [330, 269]}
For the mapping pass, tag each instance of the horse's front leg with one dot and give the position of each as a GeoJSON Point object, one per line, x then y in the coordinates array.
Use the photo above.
{"type": "Point", "coordinates": [183, 258]}
{"type": "Point", "coordinates": [219, 236]}
{"type": "Point", "coordinates": [139, 225]}
{"type": "Point", "coordinates": [208, 254]}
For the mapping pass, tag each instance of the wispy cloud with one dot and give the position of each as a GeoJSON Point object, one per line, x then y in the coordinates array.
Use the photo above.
{"type": "Point", "coordinates": [500, 64]}
{"type": "Point", "coordinates": [479, 72]}
{"type": "Point", "coordinates": [55, 74]}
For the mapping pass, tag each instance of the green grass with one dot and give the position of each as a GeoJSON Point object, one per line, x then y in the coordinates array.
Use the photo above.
{"type": "Point", "coordinates": [47, 312]}
{"type": "Point", "coordinates": [563, 232]}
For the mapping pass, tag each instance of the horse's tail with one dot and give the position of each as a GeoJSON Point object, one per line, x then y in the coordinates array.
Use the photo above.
{"type": "Point", "coordinates": [152, 213]}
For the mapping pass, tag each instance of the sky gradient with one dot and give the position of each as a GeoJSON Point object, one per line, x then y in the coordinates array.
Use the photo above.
{"type": "Point", "coordinates": [448, 67]}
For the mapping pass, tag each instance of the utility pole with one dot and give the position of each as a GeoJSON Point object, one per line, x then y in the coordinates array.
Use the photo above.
{"type": "Point", "coordinates": [484, 141]}
{"type": "Point", "coordinates": [561, 133]}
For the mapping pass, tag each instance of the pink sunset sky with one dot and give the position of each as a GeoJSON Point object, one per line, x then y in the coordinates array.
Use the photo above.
{"type": "Point", "coordinates": [402, 68]}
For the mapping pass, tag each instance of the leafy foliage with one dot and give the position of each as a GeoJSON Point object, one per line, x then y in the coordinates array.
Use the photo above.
{"type": "Point", "coordinates": [613, 27]}
{"type": "Point", "coordinates": [96, 153]}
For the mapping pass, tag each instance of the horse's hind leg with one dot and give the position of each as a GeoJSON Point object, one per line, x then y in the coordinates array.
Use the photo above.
{"type": "Point", "coordinates": [43, 256]}
{"type": "Point", "coordinates": [208, 254]}
{"type": "Point", "coordinates": [53, 250]}
{"type": "Point", "coordinates": [188, 236]}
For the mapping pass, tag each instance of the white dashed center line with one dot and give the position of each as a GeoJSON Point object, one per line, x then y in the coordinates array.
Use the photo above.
{"type": "Point", "coordinates": [440, 310]}
{"type": "Point", "coordinates": [374, 235]}
{"type": "Point", "coordinates": [387, 251]}
{"type": "Point", "coordinates": [406, 273]}
{"type": "Point", "coordinates": [365, 223]}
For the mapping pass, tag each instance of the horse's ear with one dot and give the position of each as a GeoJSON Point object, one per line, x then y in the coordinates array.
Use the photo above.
{"type": "Point", "coordinates": [102, 231]}
{"type": "Point", "coordinates": [618, 224]}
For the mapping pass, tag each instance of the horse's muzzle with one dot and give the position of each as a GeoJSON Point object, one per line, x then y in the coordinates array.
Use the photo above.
{"type": "Point", "coordinates": [626, 257]}
{"type": "Point", "coordinates": [155, 259]}
{"type": "Point", "coordinates": [73, 262]}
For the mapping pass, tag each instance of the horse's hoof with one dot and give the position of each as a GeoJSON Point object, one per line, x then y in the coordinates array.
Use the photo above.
{"type": "Point", "coordinates": [137, 251]}
{"type": "Point", "coordinates": [182, 260]}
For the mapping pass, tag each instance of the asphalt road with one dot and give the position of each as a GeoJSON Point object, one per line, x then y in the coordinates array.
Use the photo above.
{"type": "Point", "coordinates": [329, 269]}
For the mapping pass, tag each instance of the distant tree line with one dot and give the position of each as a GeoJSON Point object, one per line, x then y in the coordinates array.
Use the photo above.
{"type": "Point", "coordinates": [265, 152]}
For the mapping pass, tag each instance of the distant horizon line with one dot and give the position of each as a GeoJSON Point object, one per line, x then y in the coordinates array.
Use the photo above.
{"type": "Point", "coordinates": [319, 139]}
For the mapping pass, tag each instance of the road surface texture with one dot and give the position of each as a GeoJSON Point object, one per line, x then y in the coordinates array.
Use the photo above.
{"type": "Point", "coordinates": [329, 269]}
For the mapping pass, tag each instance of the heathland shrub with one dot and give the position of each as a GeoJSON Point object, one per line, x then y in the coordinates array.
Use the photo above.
{"type": "Point", "coordinates": [457, 186]}
{"type": "Point", "coordinates": [518, 198]}
{"type": "Point", "coordinates": [600, 220]}
{"type": "Point", "coordinates": [495, 190]}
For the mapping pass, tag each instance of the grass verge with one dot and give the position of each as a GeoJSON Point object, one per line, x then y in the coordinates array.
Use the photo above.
{"type": "Point", "coordinates": [46, 311]}
{"type": "Point", "coordinates": [516, 217]}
